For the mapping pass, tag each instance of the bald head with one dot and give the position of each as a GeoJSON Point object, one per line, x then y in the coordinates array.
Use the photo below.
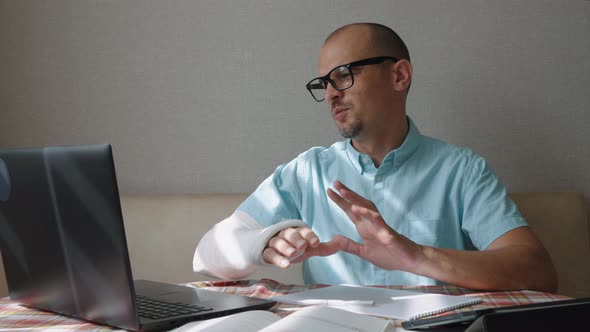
{"type": "Point", "coordinates": [381, 38]}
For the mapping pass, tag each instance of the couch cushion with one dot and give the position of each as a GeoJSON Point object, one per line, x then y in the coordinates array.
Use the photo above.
{"type": "Point", "coordinates": [560, 220]}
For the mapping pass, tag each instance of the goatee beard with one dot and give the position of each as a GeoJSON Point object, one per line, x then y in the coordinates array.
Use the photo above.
{"type": "Point", "coordinates": [351, 132]}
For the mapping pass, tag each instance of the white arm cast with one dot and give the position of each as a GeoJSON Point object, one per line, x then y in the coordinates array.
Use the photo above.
{"type": "Point", "coordinates": [232, 249]}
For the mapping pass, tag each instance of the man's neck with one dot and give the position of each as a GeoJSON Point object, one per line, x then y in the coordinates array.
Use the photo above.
{"type": "Point", "coordinates": [379, 145]}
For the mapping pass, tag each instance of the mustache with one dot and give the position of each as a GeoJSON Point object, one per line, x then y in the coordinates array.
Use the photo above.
{"type": "Point", "coordinates": [338, 105]}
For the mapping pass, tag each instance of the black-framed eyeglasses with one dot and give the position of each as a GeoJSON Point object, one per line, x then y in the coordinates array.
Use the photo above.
{"type": "Point", "coordinates": [341, 77]}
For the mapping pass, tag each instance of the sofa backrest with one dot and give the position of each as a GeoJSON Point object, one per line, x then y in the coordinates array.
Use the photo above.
{"type": "Point", "coordinates": [163, 231]}
{"type": "Point", "coordinates": [561, 221]}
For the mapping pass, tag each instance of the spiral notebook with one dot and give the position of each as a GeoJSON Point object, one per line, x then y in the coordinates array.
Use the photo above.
{"type": "Point", "coordinates": [392, 303]}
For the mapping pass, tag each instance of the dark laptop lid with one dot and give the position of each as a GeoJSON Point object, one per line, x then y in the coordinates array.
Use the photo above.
{"type": "Point", "coordinates": [63, 244]}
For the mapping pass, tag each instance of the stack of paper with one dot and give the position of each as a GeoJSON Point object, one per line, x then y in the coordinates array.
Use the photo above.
{"type": "Point", "coordinates": [384, 302]}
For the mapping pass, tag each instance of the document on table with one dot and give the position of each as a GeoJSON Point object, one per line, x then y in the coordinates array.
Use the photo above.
{"type": "Point", "coordinates": [384, 302]}
{"type": "Point", "coordinates": [314, 318]}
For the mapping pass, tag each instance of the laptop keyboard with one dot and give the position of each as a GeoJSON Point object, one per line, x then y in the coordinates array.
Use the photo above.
{"type": "Point", "coordinates": [157, 309]}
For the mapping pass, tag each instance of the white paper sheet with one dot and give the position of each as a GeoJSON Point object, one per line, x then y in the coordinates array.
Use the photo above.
{"type": "Point", "coordinates": [392, 303]}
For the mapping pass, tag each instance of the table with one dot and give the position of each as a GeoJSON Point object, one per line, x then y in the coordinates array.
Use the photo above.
{"type": "Point", "coordinates": [16, 317]}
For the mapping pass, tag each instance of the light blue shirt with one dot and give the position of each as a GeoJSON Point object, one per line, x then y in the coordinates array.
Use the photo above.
{"type": "Point", "coordinates": [434, 193]}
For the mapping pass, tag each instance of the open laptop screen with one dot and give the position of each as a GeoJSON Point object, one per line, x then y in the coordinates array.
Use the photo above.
{"type": "Point", "coordinates": [60, 247]}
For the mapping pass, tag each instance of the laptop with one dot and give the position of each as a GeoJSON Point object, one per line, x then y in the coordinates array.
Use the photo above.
{"type": "Point", "coordinates": [64, 249]}
{"type": "Point", "coordinates": [560, 315]}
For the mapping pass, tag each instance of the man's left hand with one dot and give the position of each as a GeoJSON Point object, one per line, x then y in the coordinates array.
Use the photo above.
{"type": "Point", "coordinates": [382, 246]}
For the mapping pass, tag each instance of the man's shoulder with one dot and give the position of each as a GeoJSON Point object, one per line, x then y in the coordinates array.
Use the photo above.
{"type": "Point", "coordinates": [322, 152]}
{"type": "Point", "coordinates": [438, 148]}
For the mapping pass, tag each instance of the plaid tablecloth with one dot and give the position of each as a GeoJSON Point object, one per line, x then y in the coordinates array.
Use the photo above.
{"type": "Point", "coordinates": [15, 317]}
{"type": "Point", "coordinates": [266, 288]}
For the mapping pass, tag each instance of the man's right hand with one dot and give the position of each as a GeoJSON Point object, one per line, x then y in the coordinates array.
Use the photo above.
{"type": "Point", "coordinates": [294, 245]}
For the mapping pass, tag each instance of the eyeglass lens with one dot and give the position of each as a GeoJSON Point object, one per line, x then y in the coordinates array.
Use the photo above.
{"type": "Point", "coordinates": [340, 78]}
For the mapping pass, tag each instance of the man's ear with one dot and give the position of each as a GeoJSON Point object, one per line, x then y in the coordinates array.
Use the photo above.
{"type": "Point", "coordinates": [402, 71]}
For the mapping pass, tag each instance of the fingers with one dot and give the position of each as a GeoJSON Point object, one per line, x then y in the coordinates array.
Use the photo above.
{"type": "Point", "coordinates": [350, 202]}
{"type": "Point", "coordinates": [338, 243]}
{"type": "Point", "coordinates": [347, 245]}
{"type": "Point", "coordinates": [341, 202]}
{"type": "Point", "coordinates": [287, 245]}
{"type": "Point", "coordinates": [282, 253]}
{"type": "Point", "coordinates": [345, 205]}
{"type": "Point", "coordinates": [362, 213]}
{"type": "Point", "coordinates": [353, 197]}
{"type": "Point", "coordinates": [271, 256]}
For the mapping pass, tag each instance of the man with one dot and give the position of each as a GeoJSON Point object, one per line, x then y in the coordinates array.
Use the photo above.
{"type": "Point", "coordinates": [386, 206]}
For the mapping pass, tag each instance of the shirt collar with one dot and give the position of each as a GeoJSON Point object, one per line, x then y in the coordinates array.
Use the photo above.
{"type": "Point", "coordinates": [362, 162]}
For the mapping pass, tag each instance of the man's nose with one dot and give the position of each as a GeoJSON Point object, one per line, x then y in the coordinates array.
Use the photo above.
{"type": "Point", "coordinates": [332, 93]}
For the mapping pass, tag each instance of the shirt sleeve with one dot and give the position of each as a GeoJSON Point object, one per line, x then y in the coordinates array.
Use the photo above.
{"type": "Point", "coordinates": [488, 211]}
{"type": "Point", "coordinates": [278, 197]}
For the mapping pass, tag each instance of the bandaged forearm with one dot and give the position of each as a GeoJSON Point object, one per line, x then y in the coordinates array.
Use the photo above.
{"type": "Point", "coordinates": [232, 249]}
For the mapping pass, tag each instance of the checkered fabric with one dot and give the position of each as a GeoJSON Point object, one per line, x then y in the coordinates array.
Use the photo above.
{"type": "Point", "coordinates": [267, 288]}
{"type": "Point", "coordinates": [16, 317]}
